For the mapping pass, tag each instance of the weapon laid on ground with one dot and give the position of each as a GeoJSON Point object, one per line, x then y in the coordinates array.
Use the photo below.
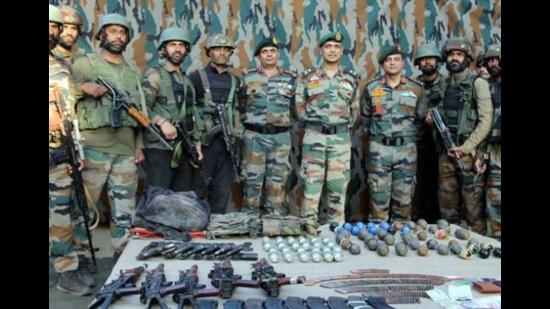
{"type": "Point", "coordinates": [121, 100]}
{"type": "Point", "coordinates": [189, 280]}
{"type": "Point", "coordinates": [446, 137]}
{"type": "Point", "coordinates": [154, 248]}
{"type": "Point", "coordinates": [198, 251]}
{"type": "Point", "coordinates": [155, 287]}
{"type": "Point", "coordinates": [229, 140]}
{"type": "Point", "coordinates": [191, 150]}
{"type": "Point", "coordinates": [222, 277]}
{"type": "Point", "coordinates": [123, 285]}
{"type": "Point", "coordinates": [270, 280]}
{"type": "Point", "coordinates": [74, 151]}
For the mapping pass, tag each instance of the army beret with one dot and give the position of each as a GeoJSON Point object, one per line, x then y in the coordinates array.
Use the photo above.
{"type": "Point", "coordinates": [270, 41]}
{"type": "Point", "coordinates": [389, 50]}
{"type": "Point", "coordinates": [333, 36]}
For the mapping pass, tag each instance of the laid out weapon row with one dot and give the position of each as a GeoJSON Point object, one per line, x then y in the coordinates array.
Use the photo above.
{"type": "Point", "coordinates": [198, 251]}
{"type": "Point", "coordinates": [187, 288]}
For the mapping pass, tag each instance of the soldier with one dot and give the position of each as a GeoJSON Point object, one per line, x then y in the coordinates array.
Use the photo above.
{"type": "Point", "coordinates": [327, 104]}
{"type": "Point", "coordinates": [493, 183]}
{"type": "Point", "coordinates": [113, 140]}
{"type": "Point", "coordinates": [269, 92]}
{"type": "Point", "coordinates": [170, 97]}
{"type": "Point", "coordinates": [72, 277]}
{"type": "Point", "coordinates": [481, 68]}
{"type": "Point", "coordinates": [215, 85]}
{"type": "Point", "coordinates": [392, 109]}
{"type": "Point", "coordinates": [424, 203]}
{"type": "Point", "coordinates": [72, 28]}
{"type": "Point", "coordinates": [467, 110]}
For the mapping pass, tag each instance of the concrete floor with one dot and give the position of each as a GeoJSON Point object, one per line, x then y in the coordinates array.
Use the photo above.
{"type": "Point", "coordinates": [105, 263]}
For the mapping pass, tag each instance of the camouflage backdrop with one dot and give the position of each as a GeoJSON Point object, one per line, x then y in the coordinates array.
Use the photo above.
{"type": "Point", "coordinates": [367, 25]}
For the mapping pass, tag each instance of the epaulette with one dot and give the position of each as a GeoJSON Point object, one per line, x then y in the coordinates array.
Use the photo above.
{"type": "Point", "coordinates": [307, 72]}
{"type": "Point", "coordinates": [351, 72]}
{"type": "Point", "coordinates": [292, 73]}
{"type": "Point", "coordinates": [249, 70]}
{"type": "Point", "coordinates": [375, 79]}
{"type": "Point", "coordinates": [418, 83]}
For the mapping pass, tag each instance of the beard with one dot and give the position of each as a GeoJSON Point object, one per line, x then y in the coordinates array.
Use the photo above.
{"type": "Point", "coordinates": [111, 47]}
{"type": "Point", "coordinates": [494, 71]}
{"type": "Point", "coordinates": [455, 66]}
{"type": "Point", "coordinates": [53, 42]}
{"type": "Point", "coordinates": [67, 44]}
{"type": "Point", "coordinates": [428, 69]}
{"type": "Point", "coordinates": [176, 58]}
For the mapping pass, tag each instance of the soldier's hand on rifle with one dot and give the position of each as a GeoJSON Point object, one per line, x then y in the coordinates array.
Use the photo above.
{"type": "Point", "coordinates": [199, 152]}
{"type": "Point", "coordinates": [480, 166]}
{"type": "Point", "coordinates": [93, 89]}
{"type": "Point", "coordinates": [456, 151]}
{"type": "Point", "coordinates": [429, 119]}
{"type": "Point", "coordinates": [139, 156]}
{"type": "Point", "coordinates": [80, 167]}
{"type": "Point", "coordinates": [168, 129]}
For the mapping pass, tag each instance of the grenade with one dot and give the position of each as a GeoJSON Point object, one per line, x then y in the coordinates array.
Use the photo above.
{"type": "Point", "coordinates": [397, 225]}
{"type": "Point", "coordinates": [373, 230]}
{"type": "Point", "coordinates": [363, 234]}
{"type": "Point", "coordinates": [414, 244]}
{"type": "Point", "coordinates": [382, 249]}
{"type": "Point", "coordinates": [392, 230]}
{"type": "Point", "coordinates": [338, 257]}
{"type": "Point", "coordinates": [485, 246]}
{"type": "Point", "coordinates": [279, 239]}
{"type": "Point", "coordinates": [360, 225]}
{"type": "Point", "coordinates": [442, 224]}
{"type": "Point", "coordinates": [328, 257]}
{"type": "Point", "coordinates": [384, 225]}
{"type": "Point", "coordinates": [325, 240]}
{"type": "Point", "coordinates": [473, 247]}
{"type": "Point", "coordinates": [355, 249]}
{"type": "Point", "coordinates": [423, 223]}
{"type": "Point", "coordinates": [290, 240]}
{"type": "Point", "coordinates": [331, 244]}
{"type": "Point", "coordinates": [372, 244]}
{"type": "Point", "coordinates": [304, 258]}
{"type": "Point", "coordinates": [342, 235]}
{"type": "Point", "coordinates": [407, 238]}
{"type": "Point", "coordinates": [455, 248]}
{"type": "Point", "coordinates": [288, 258]}
{"type": "Point", "coordinates": [462, 234]}
{"type": "Point", "coordinates": [417, 228]}
{"type": "Point", "coordinates": [326, 249]}
{"type": "Point", "coordinates": [484, 253]}
{"type": "Point", "coordinates": [336, 250]}
{"type": "Point", "coordinates": [442, 249]}
{"type": "Point", "coordinates": [316, 245]}
{"type": "Point", "coordinates": [348, 226]}
{"type": "Point", "coordinates": [274, 258]}
{"type": "Point", "coordinates": [267, 246]}
{"type": "Point", "coordinates": [381, 233]}
{"type": "Point", "coordinates": [405, 229]}
{"type": "Point", "coordinates": [333, 225]}
{"type": "Point", "coordinates": [496, 252]}
{"type": "Point", "coordinates": [345, 243]}
{"type": "Point", "coordinates": [441, 234]}
{"type": "Point", "coordinates": [306, 246]}
{"type": "Point", "coordinates": [432, 244]}
{"type": "Point", "coordinates": [401, 249]}
{"type": "Point", "coordinates": [355, 230]}
{"type": "Point", "coordinates": [422, 235]}
{"type": "Point", "coordinates": [473, 241]}
{"type": "Point", "coordinates": [411, 224]}
{"type": "Point", "coordinates": [266, 239]}
{"type": "Point", "coordinates": [465, 254]}
{"type": "Point", "coordinates": [422, 250]}
{"type": "Point", "coordinates": [432, 228]}
{"type": "Point", "coordinates": [389, 239]}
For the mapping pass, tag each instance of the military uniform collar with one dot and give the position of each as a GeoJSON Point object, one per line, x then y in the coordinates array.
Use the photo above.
{"type": "Point", "coordinates": [402, 80]}
{"type": "Point", "coordinates": [212, 68]}
{"type": "Point", "coordinates": [322, 73]}
{"type": "Point", "coordinates": [260, 70]}
{"type": "Point", "coordinates": [62, 52]}
{"type": "Point", "coordinates": [460, 76]}
{"type": "Point", "coordinates": [170, 69]}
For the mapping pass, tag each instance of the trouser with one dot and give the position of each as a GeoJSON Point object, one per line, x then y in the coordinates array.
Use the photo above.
{"type": "Point", "coordinates": [493, 193]}
{"type": "Point", "coordinates": [160, 174]}
{"type": "Point", "coordinates": [424, 202]}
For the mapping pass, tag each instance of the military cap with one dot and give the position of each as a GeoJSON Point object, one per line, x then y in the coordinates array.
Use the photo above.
{"type": "Point", "coordinates": [270, 41]}
{"type": "Point", "coordinates": [389, 50]}
{"type": "Point", "coordinates": [333, 36]}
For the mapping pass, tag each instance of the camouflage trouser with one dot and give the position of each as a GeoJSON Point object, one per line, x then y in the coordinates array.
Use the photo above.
{"type": "Point", "coordinates": [119, 172]}
{"type": "Point", "coordinates": [61, 226]}
{"type": "Point", "coordinates": [266, 157]}
{"type": "Point", "coordinates": [326, 158]}
{"type": "Point", "coordinates": [391, 180]}
{"type": "Point", "coordinates": [492, 197]}
{"type": "Point", "coordinates": [461, 193]}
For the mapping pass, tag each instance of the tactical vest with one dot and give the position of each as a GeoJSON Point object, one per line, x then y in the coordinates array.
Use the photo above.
{"type": "Point", "coordinates": [434, 91]}
{"type": "Point", "coordinates": [459, 108]}
{"type": "Point", "coordinates": [209, 109]}
{"type": "Point", "coordinates": [95, 113]}
{"type": "Point", "coordinates": [494, 136]}
{"type": "Point", "coordinates": [176, 98]}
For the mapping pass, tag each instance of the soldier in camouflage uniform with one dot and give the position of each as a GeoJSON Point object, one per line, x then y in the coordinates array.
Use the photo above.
{"type": "Point", "coordinates": [72, 28]}
{"type": "Point", "coordinates": [215, 85]}
{"type": "Point", "coordinates": [492, 153]}
{"type": "Point", "coordinates": [424, 203]}
{"type": "Point", "coordinates": [392, 108]}
{"type": "Point", "coordinates": [170, 98]}
{"type": "Point", "coordinates": [481, 67]}
{"type": "Point", "coordinates": [72, 278]}
{"type": "Point", "coordinates": [467, 111]}
{"type": "Point", "coordinates": [113, 146]}
{"type": "Point", "coordinates": [269, 92]}
{"type": "Point", "coordinates": [327, 104]}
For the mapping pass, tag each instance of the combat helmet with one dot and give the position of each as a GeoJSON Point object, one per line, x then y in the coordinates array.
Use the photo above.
{"type": "Point", "coordinates": [174, 34]}
{"type": "Point", "coordinates": [427, 50]}
{"type": "Point", "coordinates": [113, 19]}
{"type": "Point", "coordinates": [458, 44]}
{"type": "Point", "coordinates": [218, 40]}
{"type": "Point", "coordinates": [70, 16]}
{"type": "Point", "coordinates": [55, 15]}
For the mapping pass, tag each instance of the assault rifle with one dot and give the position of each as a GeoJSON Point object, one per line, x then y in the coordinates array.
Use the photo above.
{"type": "Point", "coordinates": [189, 280]}
{"type": "Point", "coordinates": [270, 280]}
{"type": "Point", "coordinates": [229, 140]}
{"type": "Point", "coordinates": [121, 100]}
{"type": "Point", "coordinates": [190, 149]}
{"type": "Point", "coordinates": [123, 285]}
{"type": "Point", "coordinates": [446, 137]}
{"type": "Point", "coordinates": [222, 277]}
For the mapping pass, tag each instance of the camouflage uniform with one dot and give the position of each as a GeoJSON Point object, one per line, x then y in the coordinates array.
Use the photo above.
{"type": "Point", "coordinates": [327, 107]}
{"type": "Point", "coordinates": [110, 147]}
{"type": "Point", "coordinates": [467, 99]}
{"type": "Point", "coordinates": [391, 116]}
{"type": "Point", "coordinates": [61, 227]}
{"type": "Point", "coordinates": [170, 96]}
{"type": "Point", "coordinates": [494, 184]}
{"type": "Point", "coordinates": [266, 141]}
{"type": "Point", "coordinates": [70, 16]}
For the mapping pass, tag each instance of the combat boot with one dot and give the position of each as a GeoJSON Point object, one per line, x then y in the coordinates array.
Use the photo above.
{"type": "Point", "coordinates": [85, 277]}
{"type": "Point", "coordinates": [70, 283]}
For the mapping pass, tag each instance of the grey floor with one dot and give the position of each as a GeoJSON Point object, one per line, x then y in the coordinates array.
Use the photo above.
{"type": "Point", "coordinates": [105, 262]}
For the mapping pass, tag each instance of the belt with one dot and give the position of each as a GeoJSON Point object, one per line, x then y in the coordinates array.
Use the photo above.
{"type": "Point", "coordinates": [328, 129]}
{"type": "Point", "coordinates": [393, 141]}
{"type": "Point", "coordinates": [266, 129]}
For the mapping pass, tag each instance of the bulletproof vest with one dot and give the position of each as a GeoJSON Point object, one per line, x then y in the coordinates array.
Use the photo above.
{"type": "Point", "coordinates": [176, 98]}
{"type": "Point", "coordinates": [459, 108]}
{"type": "Point", "coordinates": [494, 137]}
{"type": "Point", "coordinates": [95, 113]}
{"type": "Point", "coordinates": [435, 91]}
{"type": "Point", "coordinates": [210, 100]}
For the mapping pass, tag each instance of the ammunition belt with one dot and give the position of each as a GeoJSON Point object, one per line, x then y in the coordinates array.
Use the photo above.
{"type": "Point", "coordinates": [376, 281]}
{"type": "Point", "coordinates": [385, 288]}
{"type": "Point", "coordinates": [370, 271]}
{"type": "Point", "coordinates": [373, 275]}
{"type": "Point", "coordinates": [396, 299]}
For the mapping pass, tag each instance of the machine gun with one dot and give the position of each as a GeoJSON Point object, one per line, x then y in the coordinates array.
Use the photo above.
{"type": "Point", "coordinates": [270, 280]}
{"type": "Point", "coordinates": [446, 137]}
{"type": "Point", "coordinates": [125, 284]}
{"type": "Point", "coordinates": [121, 100]}
{"type": "Point", "coordinates": [190, 149]}
{"type": "Point", "coordinates": [74, 151]}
